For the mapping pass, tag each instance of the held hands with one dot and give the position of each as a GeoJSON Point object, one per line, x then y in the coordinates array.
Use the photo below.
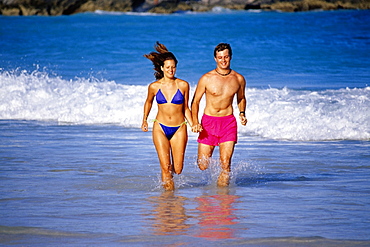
{"type": "Point", "coordinates": [196, 128]}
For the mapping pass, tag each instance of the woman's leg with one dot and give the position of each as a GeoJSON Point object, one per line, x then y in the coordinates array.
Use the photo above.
{"type": "Point", "coordinates": [162, 145]}
{"type": "Point", "coordinates": [178, 145]}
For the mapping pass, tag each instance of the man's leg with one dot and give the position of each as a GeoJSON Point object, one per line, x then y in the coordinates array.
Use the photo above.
{"type": "Point", "coordinates": [204, 154]}
{"type": "Point", "coordinates": [226, 153]}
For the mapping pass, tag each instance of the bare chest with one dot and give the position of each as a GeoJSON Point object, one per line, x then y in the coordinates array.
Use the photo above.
{"type": "Point", "coordinates": [224, 88]}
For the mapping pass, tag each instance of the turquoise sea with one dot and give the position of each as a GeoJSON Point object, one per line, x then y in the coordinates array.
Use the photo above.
{"type": "Point", "coordinates": [76, 170]}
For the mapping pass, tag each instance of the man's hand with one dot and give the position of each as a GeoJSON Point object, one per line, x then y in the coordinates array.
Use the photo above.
{"type": "Point", "coordinates": [243, 119]}
{"type": "Point", "coordinates": [196, 128]}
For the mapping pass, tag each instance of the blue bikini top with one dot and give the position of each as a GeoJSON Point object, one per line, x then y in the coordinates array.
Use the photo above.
{"type": "Point", "coordinates": [177, 99]}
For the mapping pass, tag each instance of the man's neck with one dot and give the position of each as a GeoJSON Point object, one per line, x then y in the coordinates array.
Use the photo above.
{"type": "Point", "coordinates": [223, 72]}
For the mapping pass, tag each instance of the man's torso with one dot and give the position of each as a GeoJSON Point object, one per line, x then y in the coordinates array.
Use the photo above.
{"type": "Point", "coordinates": [220, 92]}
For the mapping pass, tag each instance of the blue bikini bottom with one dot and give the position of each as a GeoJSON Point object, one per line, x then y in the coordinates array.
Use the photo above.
{"type": "Point", "coordinates": [169, 131]}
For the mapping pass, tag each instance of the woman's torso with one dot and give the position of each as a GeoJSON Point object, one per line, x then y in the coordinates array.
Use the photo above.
{"type": "Point", "coordinates": [170, 100]}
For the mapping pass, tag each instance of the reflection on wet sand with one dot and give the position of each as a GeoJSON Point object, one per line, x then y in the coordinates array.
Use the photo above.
{"type": "Point", "coordinates": [217, 215]}
{"type": "Point", "coordinates": [169, 214]}
{"type": "Point", "coordinates": [212, 218]}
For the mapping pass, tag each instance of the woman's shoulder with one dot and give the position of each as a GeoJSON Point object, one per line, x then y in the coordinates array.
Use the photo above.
{"type": "Point", "coordinates": [182, 83]}
{"type": "Point", "coordinates": [154, 85]}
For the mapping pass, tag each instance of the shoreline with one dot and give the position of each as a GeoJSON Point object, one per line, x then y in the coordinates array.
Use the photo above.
{"type": "Point", "coordinates": [66, 7]}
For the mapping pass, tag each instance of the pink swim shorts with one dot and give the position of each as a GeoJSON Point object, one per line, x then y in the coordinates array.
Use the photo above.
{"type": "Point", "coordinates": [217, 130]}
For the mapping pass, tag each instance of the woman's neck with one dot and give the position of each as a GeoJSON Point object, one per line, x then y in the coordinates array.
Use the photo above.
{"type": "Point", "coordinates": [168, 80]}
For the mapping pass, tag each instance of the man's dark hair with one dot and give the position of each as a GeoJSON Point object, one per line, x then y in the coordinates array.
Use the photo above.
{"type": "Point", "coordinates": [221, 47]}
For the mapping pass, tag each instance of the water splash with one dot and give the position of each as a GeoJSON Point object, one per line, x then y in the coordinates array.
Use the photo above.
{"type": "Point", "coordinates": [280, 114]}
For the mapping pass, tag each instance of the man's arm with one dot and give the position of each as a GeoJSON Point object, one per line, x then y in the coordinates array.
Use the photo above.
{"type": "Point", "coordinates": [242, 102]}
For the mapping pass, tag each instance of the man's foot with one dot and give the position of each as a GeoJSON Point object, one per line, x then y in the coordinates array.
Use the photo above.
{"type": "Point", "coordinates": [202, 166]}
{"type": "Point", "coordinates": [203, 163]}
{"type": "Point", "coordinates": [223, 179]}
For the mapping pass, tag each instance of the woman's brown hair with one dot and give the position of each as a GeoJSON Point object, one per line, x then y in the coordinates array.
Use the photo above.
{"type": "Point", "coordinates": [159, 57]}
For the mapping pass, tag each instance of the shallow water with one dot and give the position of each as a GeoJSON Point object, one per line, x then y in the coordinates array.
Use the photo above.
{"type": "Point", "coordinates": [93, 185]}
{"type": "Point", "coordinates": [75, 169]}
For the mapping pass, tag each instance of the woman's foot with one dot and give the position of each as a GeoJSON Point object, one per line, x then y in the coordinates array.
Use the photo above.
{"type": "Point", "coordinates": [169, 185]}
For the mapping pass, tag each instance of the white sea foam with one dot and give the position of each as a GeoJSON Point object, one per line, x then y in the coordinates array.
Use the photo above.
{"type": "Point", "coordinates": [218, 9]}
{"type": "Point", "coordinates": [281, 114]}
{"type": "Point", "coordinates": [309, 115]}
{"type": "Point", "coordinates": [37, 96]}
{"type": "Point", "coordinates": [102, 12]}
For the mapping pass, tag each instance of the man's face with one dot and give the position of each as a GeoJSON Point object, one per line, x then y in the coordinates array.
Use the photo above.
{"type": "Point", "coordinates": [223, 59]}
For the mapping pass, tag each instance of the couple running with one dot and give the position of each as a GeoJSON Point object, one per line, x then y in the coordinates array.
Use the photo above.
{"type": "Point", "coordinates": [218, 126]}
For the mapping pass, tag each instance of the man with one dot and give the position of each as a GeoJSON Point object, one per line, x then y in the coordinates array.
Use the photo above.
{"type": "Point", "coordinates": [218, 126]}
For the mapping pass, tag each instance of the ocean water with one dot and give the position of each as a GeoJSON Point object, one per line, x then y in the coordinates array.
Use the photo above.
{"type": "Point", "coordinates": [76, 170]}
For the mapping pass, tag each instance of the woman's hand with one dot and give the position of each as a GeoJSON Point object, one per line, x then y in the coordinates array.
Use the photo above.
{"type": "Point", "coordinates": [196, 128]}
{"type": "Point", "coordinates": [144, 126]}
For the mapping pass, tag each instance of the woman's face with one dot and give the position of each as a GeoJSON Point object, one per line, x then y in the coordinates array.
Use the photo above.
{"type": "Point", "coordinates": [169, 69]}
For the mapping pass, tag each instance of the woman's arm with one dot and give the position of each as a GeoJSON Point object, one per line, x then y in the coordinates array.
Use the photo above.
{"type": "Point", "coordinates": [198, 94]}
{"type": "Point", "coordinates": [188, 115]}
{"type": "Point", "coordinates": [147, 107]}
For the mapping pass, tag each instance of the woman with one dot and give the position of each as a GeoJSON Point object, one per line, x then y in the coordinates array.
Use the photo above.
{"type": "Point", "coordinates": [169, 129]}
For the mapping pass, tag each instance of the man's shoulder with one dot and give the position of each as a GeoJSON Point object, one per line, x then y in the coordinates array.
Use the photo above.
{"type": "Point", "coordinates": [239, 76]}
{"type": "Point", "coordinates": [237, 73]}
{"type": "Point", "coordinates": [209, 74]}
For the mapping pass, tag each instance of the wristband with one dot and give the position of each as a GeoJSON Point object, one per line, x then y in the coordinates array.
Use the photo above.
{"type": "Point", "coordinates": [242, 112]}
